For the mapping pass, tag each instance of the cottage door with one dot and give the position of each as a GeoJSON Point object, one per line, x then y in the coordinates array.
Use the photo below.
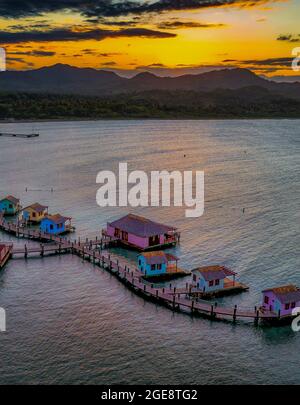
{"type": "Point", "coordinates": [154, 240]}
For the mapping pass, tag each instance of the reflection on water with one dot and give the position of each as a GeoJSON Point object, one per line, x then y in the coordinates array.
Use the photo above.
{"type": "Point", "coordinates": [69, 322]}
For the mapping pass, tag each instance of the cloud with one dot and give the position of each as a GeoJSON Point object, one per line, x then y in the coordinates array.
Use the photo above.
{"type": "Point", "coordinates": [107, 64]}
{"type": "Point", "coordinates": [289, 38]}
{"type": "Point", "coordinates": [280, 62]}
{"type": "Point", "coordinates": [7, 37]}
{"type": "Point", "coordinates": [113, 8]}
{"type": "Point", "coordinates": [173, 25]}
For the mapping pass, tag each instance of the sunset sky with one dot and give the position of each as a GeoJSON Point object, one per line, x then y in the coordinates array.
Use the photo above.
{"type": "Point", "coordinates": [169, 37]}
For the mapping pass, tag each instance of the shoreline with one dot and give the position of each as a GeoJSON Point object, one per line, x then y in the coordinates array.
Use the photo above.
{"type": "Point", "coordinates": [17, 121]}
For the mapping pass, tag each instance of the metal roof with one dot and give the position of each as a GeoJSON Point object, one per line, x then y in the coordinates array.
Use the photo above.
{"type": "Point", "coordinates": [286, 294]}
{"type": "Point", "coordinates": [140, 226]}
{"type": "Point", "coordinates": [214, 272]}
{"type": "Point", "coordinates": [57, 218]}
{"type": "Point", "coordinates": [12, 199]}
{"type": "Point", "coordinates": [36, 207]}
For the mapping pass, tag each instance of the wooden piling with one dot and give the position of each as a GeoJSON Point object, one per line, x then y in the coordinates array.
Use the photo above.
{"type": "Point", "coordinates": [234, 313]}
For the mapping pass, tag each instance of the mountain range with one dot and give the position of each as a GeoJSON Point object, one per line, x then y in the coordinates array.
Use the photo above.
{"type": "Point", "coordinates": [66, 92]}
{"type": "Point", "coordinates": [66, 79]}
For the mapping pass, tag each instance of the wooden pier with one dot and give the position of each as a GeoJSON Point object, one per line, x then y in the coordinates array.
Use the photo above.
{"type": "Point", "coordinates": [171, 297]}
{"type": "Point", "coordinates": [5, 254]}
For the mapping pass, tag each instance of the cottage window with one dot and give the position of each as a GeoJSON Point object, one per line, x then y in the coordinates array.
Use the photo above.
{"type": "Point", "coordinates": [51, 227]}
{"type": "Point", "coordinates": [266, 300]}
{"type": "Point", "coordinates": [217, 282]}
{"type": "Point", "coordinates": [117, 232]}
{"type": "Point", "coordinates": [293, 305]}
{"type": "Point", "coordinates": [152, 266]}
{"type": "Point", "coordinates": [194, 277]}
{"type": "Point", "coordinates": [159, 267]}
{"type": "Point", "coordinates": [140, 262]}
{"type": "Point", "coordinates": [287, 306]}
{"type": "Point", "coordinates": [10, 206]}
{"type": "Point", "coordinates": [211, 283]}
{"type": "Point", "coordinates": [34, 214]}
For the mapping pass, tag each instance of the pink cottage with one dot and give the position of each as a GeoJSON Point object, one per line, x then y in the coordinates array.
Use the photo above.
{"type": "Point", "coordinates": [142, 233]}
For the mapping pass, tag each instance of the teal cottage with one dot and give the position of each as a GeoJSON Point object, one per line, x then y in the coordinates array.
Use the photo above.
{"type": "Point", "coordinates": [9, 205]}
{"type": "Point", "coordinates": [157, 263]}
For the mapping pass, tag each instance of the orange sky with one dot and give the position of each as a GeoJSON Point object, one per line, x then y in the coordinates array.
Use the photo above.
{"type": "Point", "coordinates": [260, 37]}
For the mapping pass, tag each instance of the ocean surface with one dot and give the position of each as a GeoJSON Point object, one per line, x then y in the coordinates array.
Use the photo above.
{"type": "Point", "coordinates": [71, 323]}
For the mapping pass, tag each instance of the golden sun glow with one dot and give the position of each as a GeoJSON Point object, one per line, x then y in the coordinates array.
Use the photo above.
{"type": "Point", "coordinates": [260, 37]}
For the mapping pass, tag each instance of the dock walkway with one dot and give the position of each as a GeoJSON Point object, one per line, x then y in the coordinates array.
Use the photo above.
{"type": "Point", "coordinates": [177, 300]}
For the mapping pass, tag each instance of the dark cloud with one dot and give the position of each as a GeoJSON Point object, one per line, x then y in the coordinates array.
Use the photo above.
{"type": "Point", "coordinates": [172, 25]}
{"type": "Point", "coordinates": [37, 53]}
{"type": "Point", "coordinates": [112, 63]}
{"type": "Point", "coordinates": [7, 37]}
{"type": "Point", "coordinates": [282, 62]}
{"type": "Point", "coordinates": [112, 8]}
{"type": "Point", "coordinates": [289, 38]}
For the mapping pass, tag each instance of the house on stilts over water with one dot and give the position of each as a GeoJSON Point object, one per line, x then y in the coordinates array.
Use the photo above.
{"type": "Point", "coordinates": [141, 233]}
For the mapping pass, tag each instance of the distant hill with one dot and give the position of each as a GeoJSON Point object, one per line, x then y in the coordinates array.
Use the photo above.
{"type": "Point", "coordinates": [65, 79]}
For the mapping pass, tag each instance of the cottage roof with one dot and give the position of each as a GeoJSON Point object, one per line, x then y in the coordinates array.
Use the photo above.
{"type": "Point", "coordinates": [36, 207]}
{"type": "Point", "coordinates": [286, 294]}
{"type": "Point", "coordinates": [214, 272]}
{"type": "Point", "coordinates": [155, 257]}
{"type": "Point", "coordinates": [140, 226]}
{"type": "Point", "coordinates": [12, 199]}
{"type": "Point", "coordinates": [57, 218]}
{"type": "Point", "coordinates": [158, 257]}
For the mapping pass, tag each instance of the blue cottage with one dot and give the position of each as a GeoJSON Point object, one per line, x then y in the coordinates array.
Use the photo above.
{"type": "Point", "coordinates": [157, 263]}
{"type": "Point", "coordinates": [56, 224]}
{"type": "Point", "coordinates": [213, 278]}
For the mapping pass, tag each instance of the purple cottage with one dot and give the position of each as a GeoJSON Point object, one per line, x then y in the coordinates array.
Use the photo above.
{"type": "Point", "coordinates": [281, 300]}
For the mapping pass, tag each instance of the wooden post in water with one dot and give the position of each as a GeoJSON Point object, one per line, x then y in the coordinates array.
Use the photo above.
{"type": "Point", "coordinates": [26, 252]}
{"type": "Point", "coordinates": [212, 311]}
{"type": "Point", "coordinates": [234, 313]}
{"type": "Point", "coordinates": [174, 302]}
{"type": "Point", "coordinates": [42, 250]}
{"type": "Point", "coordinates": [256, 320]}
{"type": "Point", "coordinates": [192, 308]}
